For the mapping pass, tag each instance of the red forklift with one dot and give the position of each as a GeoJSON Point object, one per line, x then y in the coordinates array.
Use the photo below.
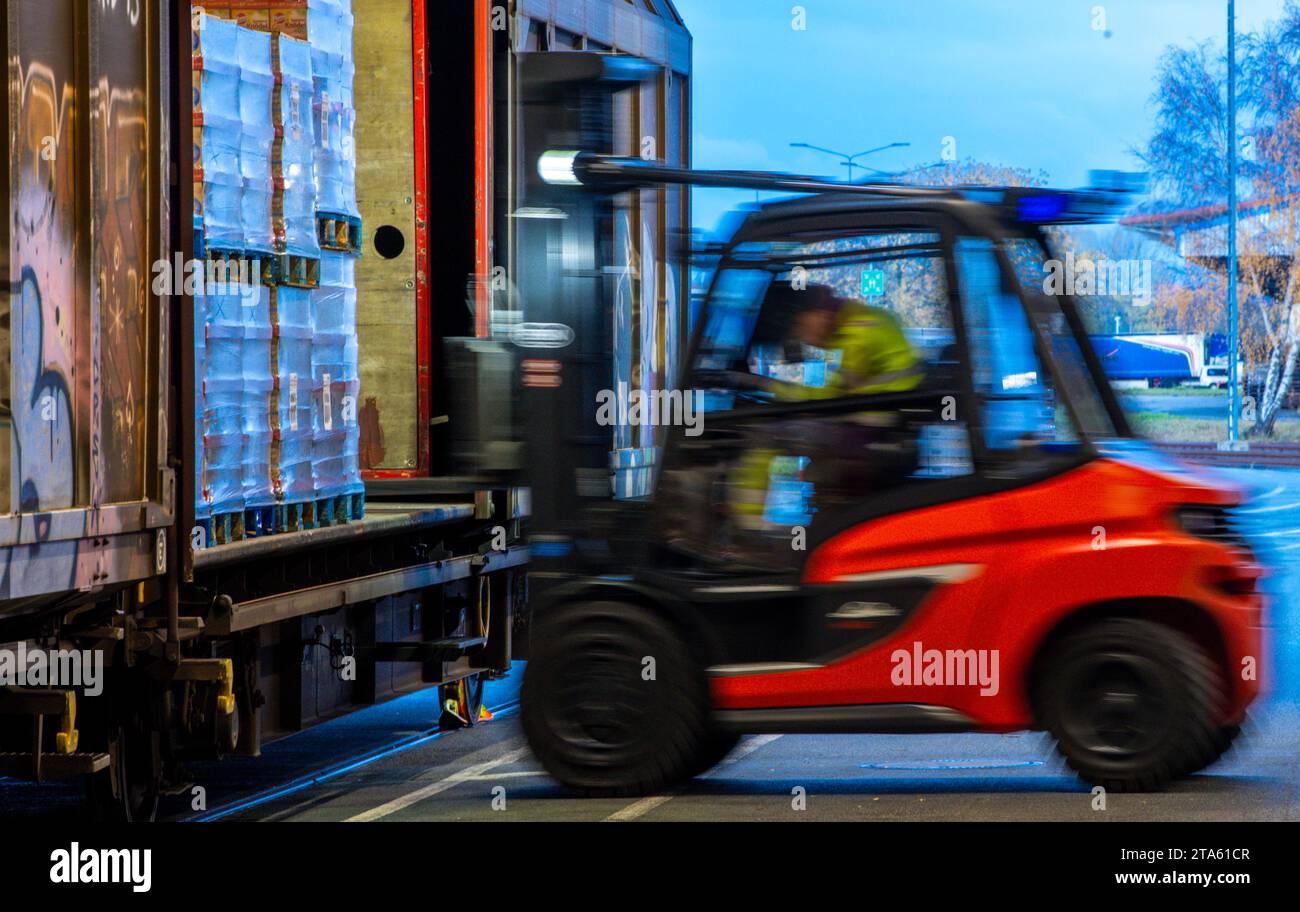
{"type": "Point", "coordinates": [982, 545]}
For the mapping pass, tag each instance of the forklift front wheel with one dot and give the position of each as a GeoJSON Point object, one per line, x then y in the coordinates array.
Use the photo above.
{"type": "Point", "coordinates": [614, 702]}
{"type": "Point", "coordinates": [1133, 704]}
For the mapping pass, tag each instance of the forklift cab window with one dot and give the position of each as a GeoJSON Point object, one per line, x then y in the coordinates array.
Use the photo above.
{"type": "Point", "coordinates": [825, 317]}
{"type": "Point", "coordinates": [798, 337]}
{"type": "Point", "coordinates": [1024, 413]}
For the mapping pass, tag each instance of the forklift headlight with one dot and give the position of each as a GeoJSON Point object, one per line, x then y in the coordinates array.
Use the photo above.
{"type": "Point", "coordinates": [1211, 523]}
{"type": "Point", "coordinates": [559, 168]}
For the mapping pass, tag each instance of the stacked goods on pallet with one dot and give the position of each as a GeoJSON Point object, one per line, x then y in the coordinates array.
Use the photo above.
{"type": "Point", "coordinates": [222, 412]}
{"type": "Point", "coordinates": [256, 88]}
{"type": "Point", "coordinates": [297, 271]}
{"type": "Point", "coordinates": [256, 91]}
{"type": "Point", "coordinates": [293, 162]}
{"type": "Point", "coordinates": [218, 182]}
{"type": "Point", "coordinates": [335, 376]}
{"type": "Point", "coordinates": [329, 29]}
{"type": "Point", "coordinates": [292, 415]}
{"type": "Point", "coordinates": [336, 383]}
{"type": "Point", "coordinates": [218, 192]}
{"type": "Point", "coordinates": [275, 183]}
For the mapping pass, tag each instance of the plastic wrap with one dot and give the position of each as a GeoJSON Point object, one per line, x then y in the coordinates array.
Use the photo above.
{"type": "Point", "coordinates": [295, 201]}
{"type": "Point", "coordinates": [335, 378]}
{"type": "Point", "coordinates": [277, 368]}
{"type": "Point", "coordinates": [257, 135]}
{"type": "Point", "coordinates": [329, 29]}
{"type": "Point", "coordinates": [291, 416]}
{"type": "Point", "coordinates": [255, 307]}
{"type": "Point", "coordinates": [218, 178]}
{"type": "Point", "coordinates": [223, 404]}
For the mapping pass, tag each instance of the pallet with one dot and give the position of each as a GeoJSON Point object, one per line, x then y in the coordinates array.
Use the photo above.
{"type": "Point", "coordinates": [259, 522]}
{"type": "Point", "coordinates": [295, 271]}
{"type": "Point", "coordinates": [224, 528]}
{"type": "Point", "coordinates": [337, 232]}
{"type": "Point", "coordinates": [340, 510]}
{"type": "Point", "coordinates": [295, 517]}
{"type": "Point", "coordinates": [259, 266]}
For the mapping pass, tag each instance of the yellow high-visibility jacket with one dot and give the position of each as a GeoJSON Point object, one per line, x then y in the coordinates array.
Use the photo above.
{"type": "Point", "coordinates": [875, 357]}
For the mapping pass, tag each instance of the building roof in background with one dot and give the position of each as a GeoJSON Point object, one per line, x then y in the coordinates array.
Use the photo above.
{"type": "Point", "coordinates": [1201, 232]}
{"type": "Point", "coordinates": [1193, 217]}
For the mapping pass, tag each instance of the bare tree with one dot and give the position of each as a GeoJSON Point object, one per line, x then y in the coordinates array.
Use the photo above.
{"type": "Point", "coordinates": [1187, 155]}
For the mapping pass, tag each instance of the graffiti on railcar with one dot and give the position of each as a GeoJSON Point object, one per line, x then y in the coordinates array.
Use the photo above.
{"type": "Point", "coordinates": [79, 315]}
{"type": "Point", "coordinates": [45, 299]}
{"type": "Point", "coordinates": [120, 122]}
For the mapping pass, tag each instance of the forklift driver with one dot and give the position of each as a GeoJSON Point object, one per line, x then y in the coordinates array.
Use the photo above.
{"type": "Point", "coordinates": [853, 350]}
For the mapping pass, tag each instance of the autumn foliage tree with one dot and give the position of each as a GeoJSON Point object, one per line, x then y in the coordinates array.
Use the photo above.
{"type": "Point", "coordinates": [1187, 156]}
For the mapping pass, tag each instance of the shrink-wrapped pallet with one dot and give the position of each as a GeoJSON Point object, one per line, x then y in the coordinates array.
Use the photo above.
{"type": "Point", "coordinates": [256, 88]}
{"type": "Point", "coordinates": [335, 378]}
{"type": "Point", "coordinates": [218, 129]}
{"type": "Point", "coordinates": [291, 415]}
{"type": "Point", "coordinates": [293, 159]}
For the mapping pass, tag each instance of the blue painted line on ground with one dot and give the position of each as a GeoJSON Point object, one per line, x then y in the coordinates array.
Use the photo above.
{"type": "Point", "coordinates": [333, 772]}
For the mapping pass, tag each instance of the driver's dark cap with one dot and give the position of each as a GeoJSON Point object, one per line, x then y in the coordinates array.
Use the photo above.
{"type": "Point", "coordinates": [814, 298]}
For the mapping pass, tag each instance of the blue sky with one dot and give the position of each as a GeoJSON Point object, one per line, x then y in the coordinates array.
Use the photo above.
{"type": "Point", "coordinates": [1018, 82]}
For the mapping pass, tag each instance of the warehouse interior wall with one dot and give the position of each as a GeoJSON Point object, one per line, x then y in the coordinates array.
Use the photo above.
{"type": "Point", "coordinates": [388, 281]}
{"type": "Point", "coordinates": [387, 271]}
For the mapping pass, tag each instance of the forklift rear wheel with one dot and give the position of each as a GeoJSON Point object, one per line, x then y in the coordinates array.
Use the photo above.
{"type": "Point", "coordinates": [613, 700]}
{"type": "Point", "coordinates": [1132, 704]}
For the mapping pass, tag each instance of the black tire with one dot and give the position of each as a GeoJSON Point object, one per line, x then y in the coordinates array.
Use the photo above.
{"type": "Point", "coordinates": [1223, 740]}
{"type": "Point", "coordinates": [714, 750]}
{"type": "Point", "coordinates": [591, 716]}
{"type": "Point", "coordinates": [1132, 704]}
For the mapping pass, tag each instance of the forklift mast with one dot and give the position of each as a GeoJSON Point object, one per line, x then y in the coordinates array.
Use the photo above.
{"type": "Point", "coordinates": [563, 245]}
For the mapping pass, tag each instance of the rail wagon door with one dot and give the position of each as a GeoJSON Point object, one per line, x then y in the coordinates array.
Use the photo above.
{"type": "Point", "coordinates": [83, 478]}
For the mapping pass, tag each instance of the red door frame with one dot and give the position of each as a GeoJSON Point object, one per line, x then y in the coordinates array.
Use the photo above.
{"type": "Point", "coordinates": [423, 302]}
{"type": "Point", "coordinates": [483, 184]}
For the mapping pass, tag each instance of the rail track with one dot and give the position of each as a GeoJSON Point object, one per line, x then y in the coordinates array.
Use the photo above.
{"type": "Point", "coordinates": [1259, 455]}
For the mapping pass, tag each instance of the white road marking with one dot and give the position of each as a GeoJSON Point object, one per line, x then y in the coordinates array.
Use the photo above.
{"type": "Point", "coordinates": [466, 775]}
{"type": "Point", "coordinates": [638, 808]}
{"type": "Point", "coordinates": [646, 805]}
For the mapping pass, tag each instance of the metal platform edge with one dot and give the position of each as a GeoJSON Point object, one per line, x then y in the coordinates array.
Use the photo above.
{"type": "Point", "coordinates": [300, 602]}
{"type": "Point", "coordinates": [375, 523]}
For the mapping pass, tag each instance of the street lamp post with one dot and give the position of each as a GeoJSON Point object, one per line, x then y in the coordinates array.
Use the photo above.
{"type": "Point", "coordinates": [1234, 381]}
{"type": "Point", "coordinates": [849, 160]}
